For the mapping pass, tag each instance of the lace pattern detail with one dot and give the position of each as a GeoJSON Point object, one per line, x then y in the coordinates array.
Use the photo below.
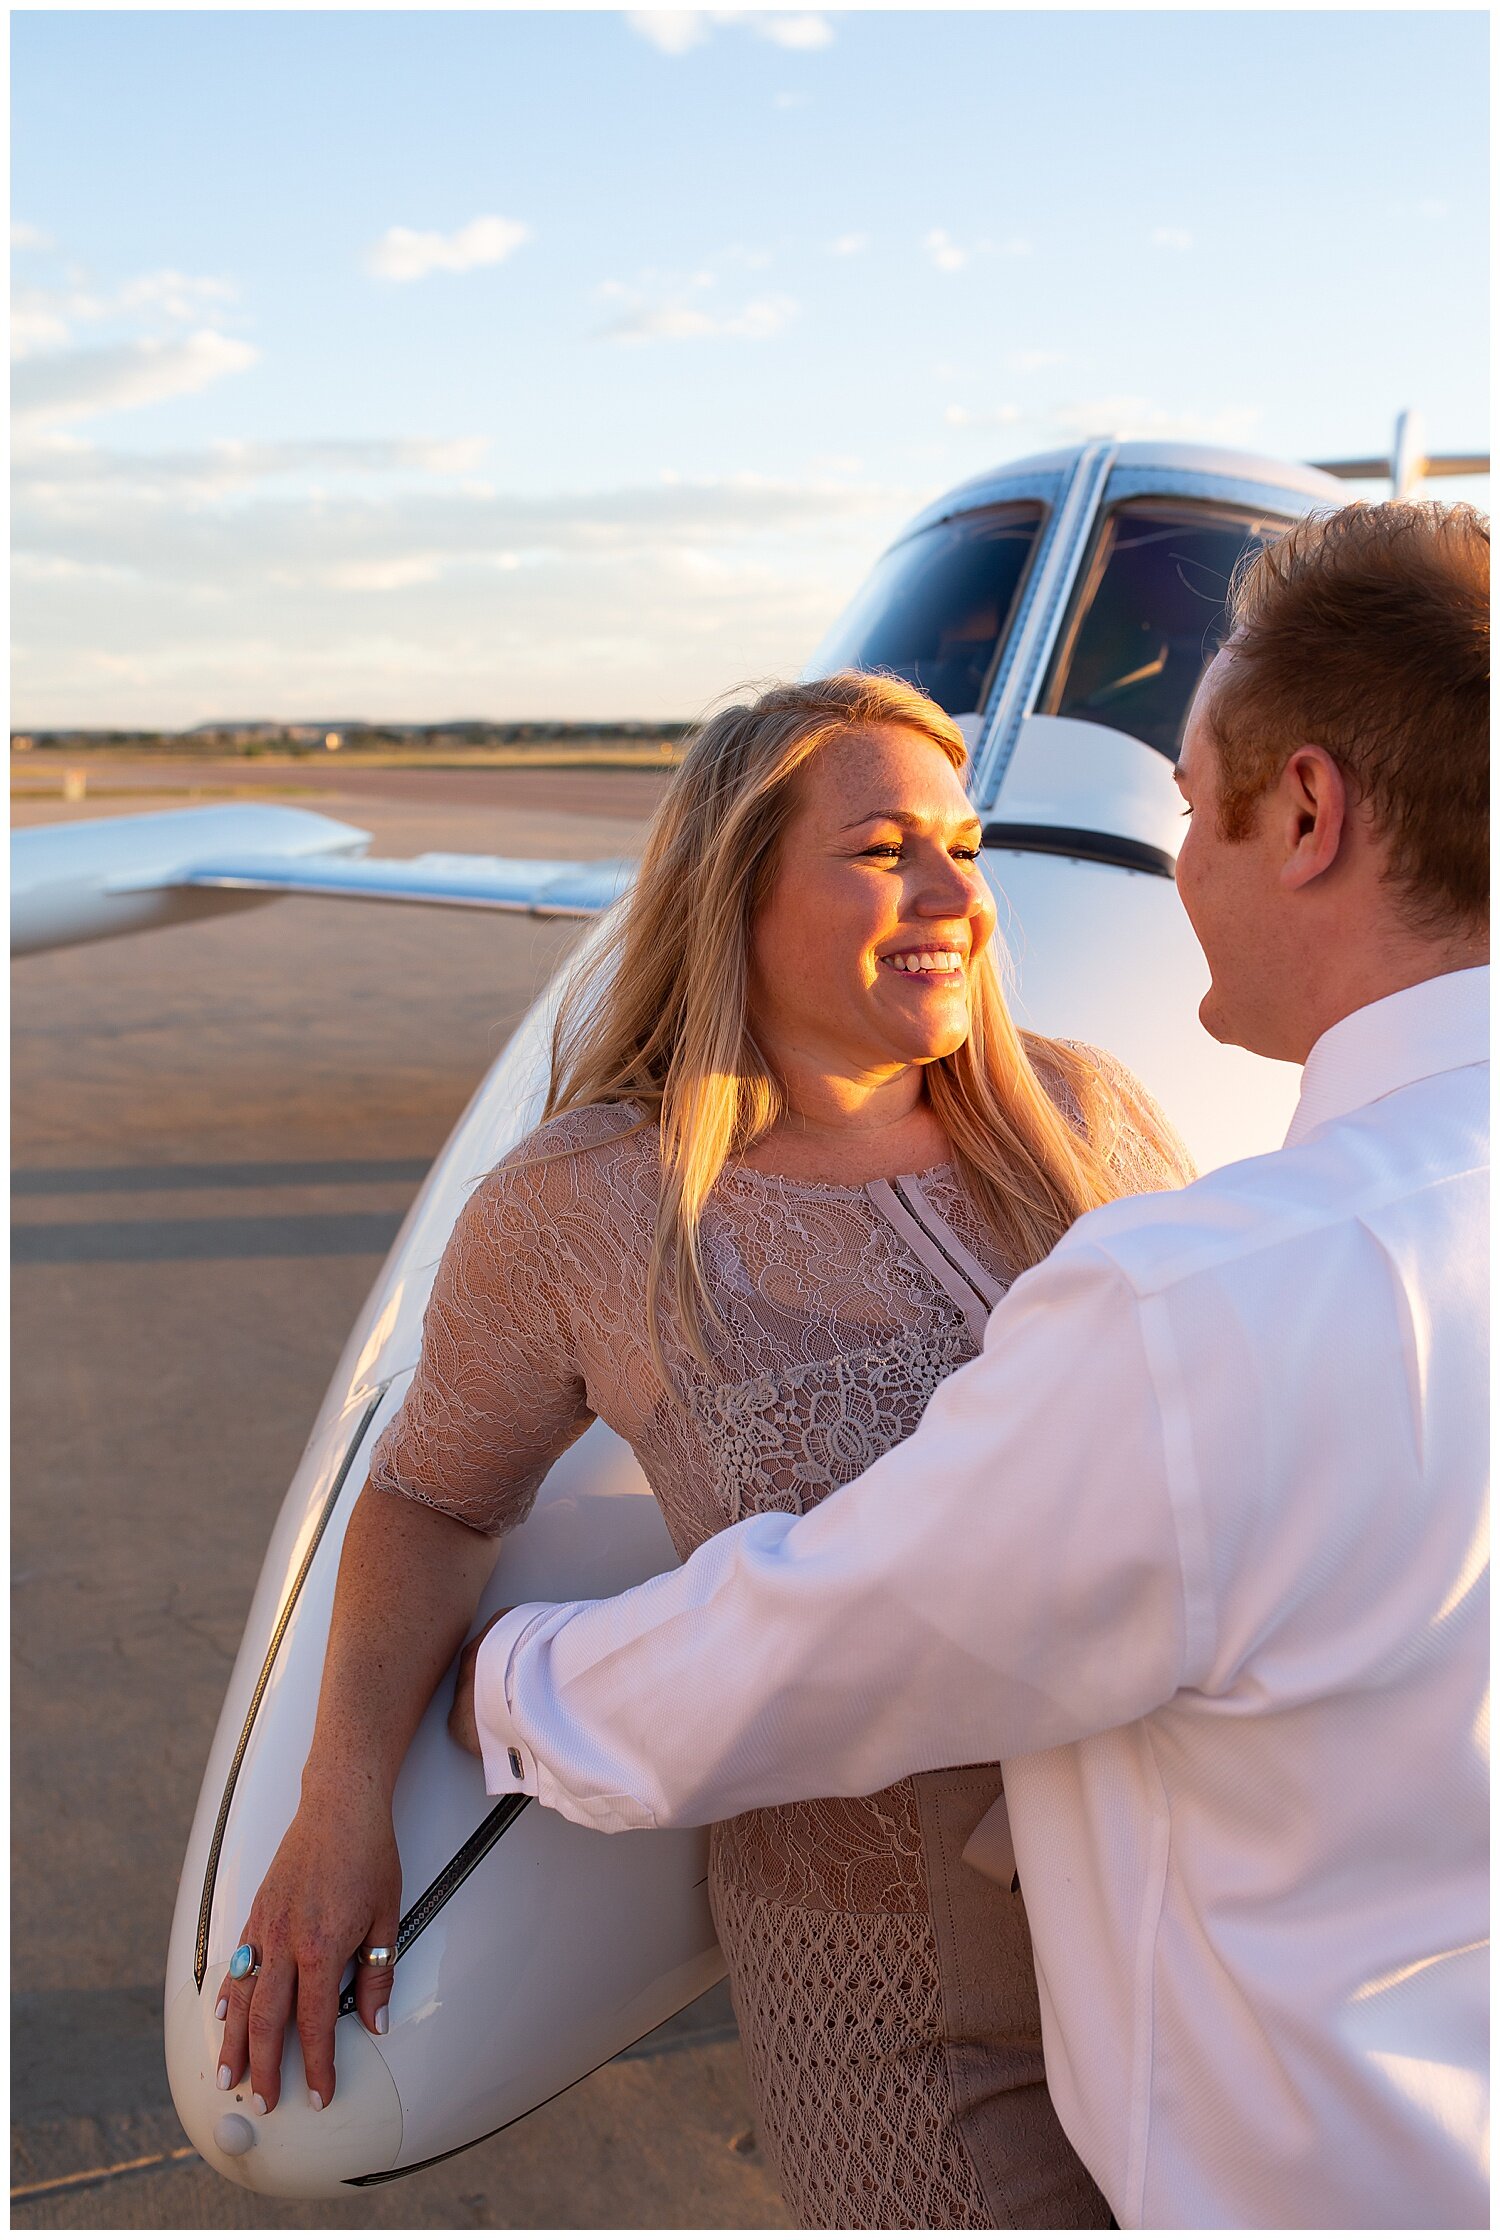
{"type": "Point", "coordinates": [832, 1338]}
{"type": "Point", "coordinates": [840, 2015]}
{"type": "Point", "coordinates": [782, 1442]}
{"type": "Point", "coordinates": [838, 1855]}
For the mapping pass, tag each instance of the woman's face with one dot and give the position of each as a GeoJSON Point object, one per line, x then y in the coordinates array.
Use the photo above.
{"type": "Point", "coordinates": [863, 954]}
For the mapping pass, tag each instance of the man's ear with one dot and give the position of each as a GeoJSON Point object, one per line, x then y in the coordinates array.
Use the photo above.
{"type": "Point", "coordinates": [1312, 809]}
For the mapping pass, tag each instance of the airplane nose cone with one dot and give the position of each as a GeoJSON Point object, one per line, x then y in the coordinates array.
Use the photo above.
{"type": "Point", "coordinates": [297, 2152]}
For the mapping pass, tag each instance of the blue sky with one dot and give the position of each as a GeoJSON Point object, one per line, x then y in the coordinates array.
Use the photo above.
{"type": "Point", "coordinates": [578, 364]}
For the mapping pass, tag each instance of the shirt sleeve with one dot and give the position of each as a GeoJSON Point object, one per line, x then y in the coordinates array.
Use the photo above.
{"type": "Point", "coordinates": [1008, 1579]}
{"type": "Point", "coordinates": [498, 1394]}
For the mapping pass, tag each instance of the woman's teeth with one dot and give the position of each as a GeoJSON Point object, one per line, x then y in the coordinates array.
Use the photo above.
{"type": "Point", "coordinates": [927, 960]}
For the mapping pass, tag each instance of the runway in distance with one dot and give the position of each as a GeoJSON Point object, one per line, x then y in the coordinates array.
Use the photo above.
{"type": "Point", "coordinates": [1062, 608]}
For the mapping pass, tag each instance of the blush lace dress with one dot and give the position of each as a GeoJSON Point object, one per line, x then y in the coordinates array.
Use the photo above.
{"type": "Point", "coordinates": [884, 1988]}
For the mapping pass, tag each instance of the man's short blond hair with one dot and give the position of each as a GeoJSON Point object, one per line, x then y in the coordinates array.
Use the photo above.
{"type": "Point", "coordinates": [1366, 632]}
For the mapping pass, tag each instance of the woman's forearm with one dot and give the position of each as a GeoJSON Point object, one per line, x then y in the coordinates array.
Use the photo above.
{"type": "Point", "coordinates": [410, 1578]}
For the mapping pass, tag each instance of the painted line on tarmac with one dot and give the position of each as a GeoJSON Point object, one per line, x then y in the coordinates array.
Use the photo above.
{"type": "Point", "coordinates": [294, 1236]}
{"type": "Point", "coordinates": [100, 2177]}
{"type": "Point", "coordinates": [247, 1174]}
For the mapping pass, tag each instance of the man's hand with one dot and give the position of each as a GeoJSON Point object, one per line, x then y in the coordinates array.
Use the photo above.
{"type": "Point", "coordinates": [462, 1724]}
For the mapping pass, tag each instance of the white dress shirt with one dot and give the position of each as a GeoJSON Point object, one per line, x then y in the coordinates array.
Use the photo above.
{"type": "Point", "coordinates": [1197, 1546]}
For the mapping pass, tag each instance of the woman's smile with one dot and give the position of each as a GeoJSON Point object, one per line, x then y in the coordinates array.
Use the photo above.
{"type": "Point", "coordinates": [878, 880]}
{"type": "Point", "coordinates": [942, 965]}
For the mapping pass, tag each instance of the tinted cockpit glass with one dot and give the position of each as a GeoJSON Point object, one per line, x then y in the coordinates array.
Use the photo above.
{"type": "Point", "coordinates": [936, 607]}
{"type": "Point", "coordinates": [1148, 618]}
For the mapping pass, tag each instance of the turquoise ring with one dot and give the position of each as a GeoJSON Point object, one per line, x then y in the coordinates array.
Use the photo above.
{"type": "Point", "coordinates": [244, 1961]}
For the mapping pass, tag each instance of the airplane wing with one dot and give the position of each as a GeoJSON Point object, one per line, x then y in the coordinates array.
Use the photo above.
{"type": "Point", "coordinates": [99, 878]}
{"type": "Point", "coordinates": [1410, 463]}
{"type": "Point", "coordinates": [1375, 470]}
{"type": "Point", "coordinates": [543, 888]}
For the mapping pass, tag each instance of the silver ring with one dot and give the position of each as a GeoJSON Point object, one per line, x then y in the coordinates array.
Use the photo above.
{"type": "Point", "coordinates": [244, 1961]}
{"type": "Point", "coordinates": [376, 1956]}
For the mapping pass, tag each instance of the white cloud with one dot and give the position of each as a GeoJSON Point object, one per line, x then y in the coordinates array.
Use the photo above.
{"type": "Point", "coordinates": [849, 245]}
{"type": "Point", "coordinates": [440, 455]}
{"type": "Point", "coordinates": [33, 327]}
{"type": "Point", "coordinates": [33, 567]}
{"type": "Point", "coordinates": [1131, 417]}
{"type": "Point", "coordinates": [43, 316]}
{"type": "Point", "coordinates": [23, 236]}
{"type": "Point", "coordinates": [1034, 361]}
{"type": "Point", "coordinates": [1171, 237]}
{"type": "Point", "coordinates": [677, 31]}
{"type": "Point", "coordinates": [672, 30]}
{"type": "Point", "coordinates": [945, 251]}
{"type": "Point", "coordinates": [791, 101]}
{"type": "Point", "coordinates": [126, 513]}
{"type": "Point", "coordinates": [800, 32]}
{"type": "Point", "coordinates": [951, 256]}
{"type": "Point", "coordinates": [63, 467]}
{"type": "Point", "coordinates": [1431, 206]}
{"type": "Point", "coordinates": [398, 574]}
{"type": "Point", "coordinates": [79, 384]}
{"type": "Point", "coordinates": [663, 322]}
{"type": "Point", "coordinates": [180, 295]}
{"type": "Point", "coordinates": [640, 601]}
{"type": "Point", "coordinates": [994, 416]}
{"type": "Point", "coordinates": [403, 254]}
{"type": "Point", "coordinates": [684, 322]}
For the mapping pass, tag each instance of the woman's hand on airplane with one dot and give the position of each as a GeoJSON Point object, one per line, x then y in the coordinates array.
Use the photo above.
{"type": "Point", "coordinates": [334, 1888]}
{"type": "Point", "coordinates": [462, 1722]}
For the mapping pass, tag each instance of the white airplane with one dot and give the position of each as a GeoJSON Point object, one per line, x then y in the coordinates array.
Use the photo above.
{"type": "Point", "coordinates": [1062, 608]}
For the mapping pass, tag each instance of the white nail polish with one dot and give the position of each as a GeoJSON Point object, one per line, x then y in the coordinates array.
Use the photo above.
{"type": "Point", "coordinates": [317, 2100]}
{"type": "Point", "coordinates": [225, 2079]}
{"type": "Point", "coordinates": [382, 2022]}
{"type": "Point", "coordinates": [260, 2106]}
{"type": "Point", "coordinates": [221, 2010]}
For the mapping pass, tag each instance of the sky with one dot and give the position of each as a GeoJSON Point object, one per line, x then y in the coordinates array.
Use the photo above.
{"type": "Point", "coordinates": [569, 365]}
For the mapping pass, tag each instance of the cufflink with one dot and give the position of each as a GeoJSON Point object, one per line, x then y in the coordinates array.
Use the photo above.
{"type": "Point", "coordinates": [517, 1766]}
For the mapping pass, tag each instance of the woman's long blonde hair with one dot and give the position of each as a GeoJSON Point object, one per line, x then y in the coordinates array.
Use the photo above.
{"type": "Point", "coordinates": [658, 1015]}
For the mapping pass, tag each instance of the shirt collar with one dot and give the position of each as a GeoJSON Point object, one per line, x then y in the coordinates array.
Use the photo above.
{"type": "Point", "coordinates": [1434, 1027]}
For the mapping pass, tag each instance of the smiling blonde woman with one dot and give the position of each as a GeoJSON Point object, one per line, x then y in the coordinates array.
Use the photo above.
{"type": "Point", "coordinates": [795, 1150]}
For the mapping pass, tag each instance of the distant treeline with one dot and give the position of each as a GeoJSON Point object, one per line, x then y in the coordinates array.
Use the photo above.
{"type": "Point", "coordinates": [357, 738]}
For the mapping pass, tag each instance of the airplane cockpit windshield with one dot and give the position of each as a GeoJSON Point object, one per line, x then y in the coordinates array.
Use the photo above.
{"type": "Point", "coordinates": [1147, 618]}
{"type": "Point", "coordinates": [935, 610]}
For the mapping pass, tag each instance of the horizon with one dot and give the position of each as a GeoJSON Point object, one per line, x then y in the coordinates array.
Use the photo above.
{"type": "Point", "coordinates": [226, 724]}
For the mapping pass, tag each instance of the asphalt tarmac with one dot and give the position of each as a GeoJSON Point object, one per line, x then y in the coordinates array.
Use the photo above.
{"type": "Point", "coordinates": [215, 1131]}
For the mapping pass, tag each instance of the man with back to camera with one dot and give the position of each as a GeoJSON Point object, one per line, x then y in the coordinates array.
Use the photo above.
{"type": "Point", "coordinates": [1197, 1544]}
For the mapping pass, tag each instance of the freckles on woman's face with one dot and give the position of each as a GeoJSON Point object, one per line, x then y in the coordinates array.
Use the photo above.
{"type": "Point", "coordinates": [866, 947]}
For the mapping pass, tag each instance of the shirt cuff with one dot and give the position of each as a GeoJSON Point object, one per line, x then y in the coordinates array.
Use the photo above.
{"type": "Point", "coordinates": [581, 1792]}
{"type": "Point", "coordinates": [510, 1768]}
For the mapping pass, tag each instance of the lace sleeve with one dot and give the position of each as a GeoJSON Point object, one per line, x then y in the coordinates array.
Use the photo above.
{"type": "Point", "coordinates": [1146, 1152]}
{"type": "Point", "coordinates": [498, 1394]}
